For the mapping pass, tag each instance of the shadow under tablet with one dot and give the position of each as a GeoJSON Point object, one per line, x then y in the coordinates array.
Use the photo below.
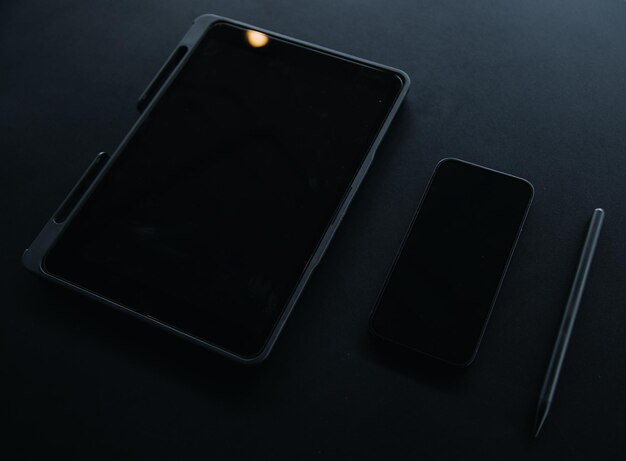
{"type": "Point", "coordinates": [445, 280]}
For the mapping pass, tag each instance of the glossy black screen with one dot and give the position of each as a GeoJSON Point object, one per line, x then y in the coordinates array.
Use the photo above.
{"type": "Point", "coordinates": [440, 293]}
{"type": "Point", "coordinates": [209, 215]}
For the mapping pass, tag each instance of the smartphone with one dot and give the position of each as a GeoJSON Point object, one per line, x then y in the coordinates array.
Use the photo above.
{"type": "Point", "coordinates": [443, 285]}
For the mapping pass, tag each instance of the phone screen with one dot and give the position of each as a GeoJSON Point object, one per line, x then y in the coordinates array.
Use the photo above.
{"type": "Point", "coordinates": [440, 292]}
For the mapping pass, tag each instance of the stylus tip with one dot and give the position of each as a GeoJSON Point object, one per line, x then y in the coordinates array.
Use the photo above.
{"type": "Point", "coordinates": [542, 413]}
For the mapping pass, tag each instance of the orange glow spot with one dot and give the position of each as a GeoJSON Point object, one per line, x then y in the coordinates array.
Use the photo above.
{"type": "Point", "coordinates": [256, 39]}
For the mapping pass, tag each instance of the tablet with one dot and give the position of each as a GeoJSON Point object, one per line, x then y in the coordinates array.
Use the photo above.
{"type": "Point", "coordinates": [211, 215]}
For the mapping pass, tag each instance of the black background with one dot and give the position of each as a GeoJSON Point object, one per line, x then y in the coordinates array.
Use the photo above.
{"type": "Point", "coordinates": [533, 88]}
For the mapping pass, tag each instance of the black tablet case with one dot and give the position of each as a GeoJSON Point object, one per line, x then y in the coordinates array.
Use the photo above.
{"type": "Point", "coordinates": [34, 256]}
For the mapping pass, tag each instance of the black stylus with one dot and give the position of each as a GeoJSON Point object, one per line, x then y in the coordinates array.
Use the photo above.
{"type": "Point", "coordinates": [569, 316]}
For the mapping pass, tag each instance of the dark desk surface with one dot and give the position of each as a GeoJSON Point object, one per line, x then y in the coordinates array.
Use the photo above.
{"type": "Point", "coordinates": [536, 88]}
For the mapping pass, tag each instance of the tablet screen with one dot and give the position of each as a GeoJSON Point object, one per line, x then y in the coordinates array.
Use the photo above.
{"type": "Point", "coordinates": [218, 198]}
